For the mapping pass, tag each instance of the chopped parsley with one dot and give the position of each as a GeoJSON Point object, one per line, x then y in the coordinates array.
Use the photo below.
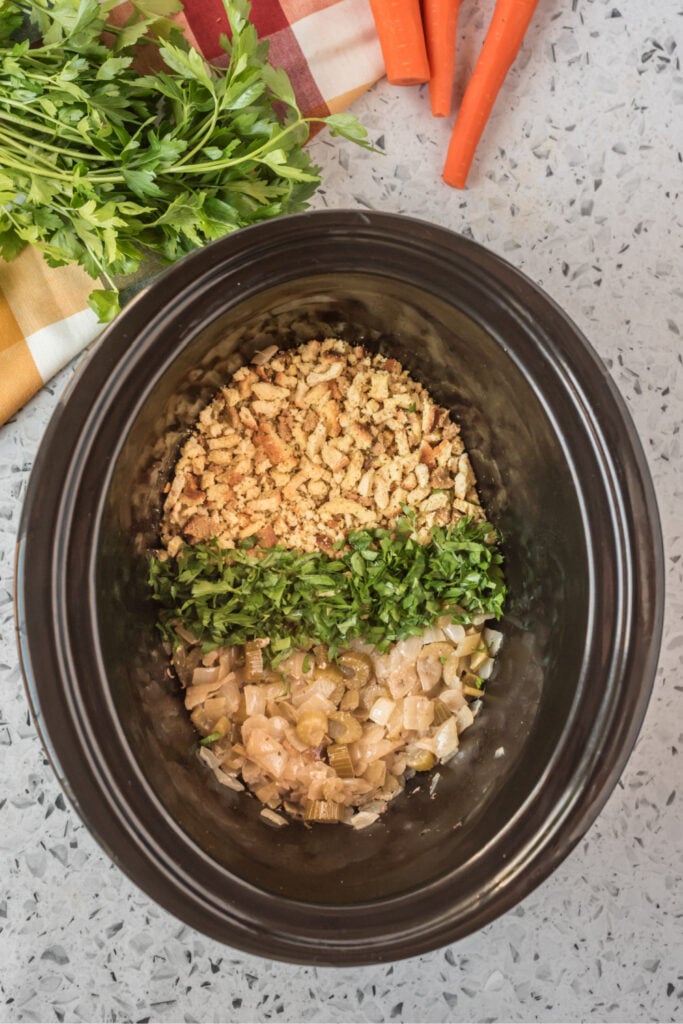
{"type": "Point", "coordinates": [384, 587]}
{"type": "Point", "coordinates": [211, 738]}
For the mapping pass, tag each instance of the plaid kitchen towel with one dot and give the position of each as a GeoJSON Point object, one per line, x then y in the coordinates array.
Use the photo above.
{"type": "Point", "coordinates": [330, 51]}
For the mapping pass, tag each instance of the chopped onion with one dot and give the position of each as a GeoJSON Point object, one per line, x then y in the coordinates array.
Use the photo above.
{"type": "Point", "coordinates": [395, 724]}
{"type": "Point", "coordinates": [228, 780]}
{"type": "Point", "coordinates": [486, 668]}
{"type": "Point", "coordinates": [477, 659]}
{"type": "Point", "coordinates": [208, 757]}
{"type": "Point", "coordinates": [376, 773]}
{"type": "Point", "coordinates": [418, 713]}
{"type": "Point", "coordinates": [264, 356]}
{"type": "Point", "coordinates": [363, 819]}
{"type": "Point", "coordinates": [464, 718]}
{"type": "Point", "coordinates": [468, 645]}
{"type": "Point", "coordinates": [429, 671]}
{"type": "Point", "coordinates": [451, 672]}
{"type": "Point", "coordinates": [255, 700]}
{"type": "Point", "coordinates": [433, 635]}
{"type": "Point", "coordinates": [200, 676]}
{"type": "Point", "coordinates": [455, 632]}
{"type": "Point", "coordinates": [446, 740]}
{"type": "Point", "coordinates": [453, 699]}
{"type": "Point", "coordinates": [272, 818]}
{"type": "Point", "coordinates": [195, 695]}
{"type": "Point", "coordinates": [493, 638]}
{"type": "Point", "coordinates": [433, 784]}
{"type": "Point", "coordinates": [185, 634]}
{"type": "Point", "coordinates": [381, 710]}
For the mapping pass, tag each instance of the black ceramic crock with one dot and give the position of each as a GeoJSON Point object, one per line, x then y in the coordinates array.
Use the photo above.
{"type": "Point", "coordinates": [562, 474]}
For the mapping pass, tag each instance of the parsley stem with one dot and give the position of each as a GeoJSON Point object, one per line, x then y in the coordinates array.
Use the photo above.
{"type": "Point", "coordinates": [206, 136]}
{"type": "Point", "coordinates": [103, 272]}
{"type": "Point", "coordinates": [29, 150]}
{"type": "Point", "coordinates": [6, 161]}
{"type": "Point", "coordinates": [35, 126]}
{"type": "Point", "coordinates": [233, 161]}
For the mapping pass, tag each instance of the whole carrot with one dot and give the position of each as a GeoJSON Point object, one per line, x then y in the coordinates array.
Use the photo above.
{"type": "Point", "coordinates": [440, 19]}
{"type": "Point", "coordinates": [399, 27]}
{"type": "Point", "coordinates": [508, 25]}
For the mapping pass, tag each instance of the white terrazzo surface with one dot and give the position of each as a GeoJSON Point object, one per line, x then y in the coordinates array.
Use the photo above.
{"type": "Point", "coordinates": [578, 182]}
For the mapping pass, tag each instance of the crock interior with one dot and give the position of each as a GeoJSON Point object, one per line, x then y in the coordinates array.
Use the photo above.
{"type": "Point", "coordinates": [527, 486]}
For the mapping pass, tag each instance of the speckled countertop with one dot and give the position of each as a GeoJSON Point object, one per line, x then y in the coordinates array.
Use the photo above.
{"type": "Point", "coordinates": [578, 183]}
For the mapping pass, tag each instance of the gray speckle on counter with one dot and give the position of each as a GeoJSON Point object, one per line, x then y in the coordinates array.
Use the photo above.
{"type": "Point", "coordinates": [577, 182]}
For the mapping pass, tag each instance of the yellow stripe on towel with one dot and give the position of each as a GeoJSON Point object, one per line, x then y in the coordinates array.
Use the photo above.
{"type": "Point", "coordinates": [19, 378]}
{"type": "Point", "coordinates": [10, 331]}
{"type": "Point", "coordinates": [42, 295]}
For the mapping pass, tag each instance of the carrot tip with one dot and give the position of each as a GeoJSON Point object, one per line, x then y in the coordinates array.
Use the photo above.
{"type": "Point", "coordinates": [455, 181]}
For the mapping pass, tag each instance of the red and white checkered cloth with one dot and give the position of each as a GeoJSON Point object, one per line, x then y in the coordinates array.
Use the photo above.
{"type": "Point", "coordinates": [330, 51]}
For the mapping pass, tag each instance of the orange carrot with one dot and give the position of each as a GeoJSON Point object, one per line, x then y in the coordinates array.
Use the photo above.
{"type": "Point", "coordinates": [399, 27]}
{"type": "Point", "coordinates": [440, 22]}
{"type": "Point", "coordinates": [509, 23]}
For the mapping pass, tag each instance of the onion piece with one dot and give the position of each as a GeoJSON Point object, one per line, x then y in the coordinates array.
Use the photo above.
{"type": "Point", "coordinates": [229, 781]}
{"type": "Point", "coordinates": [451, 672]}
{"type": "Point", "coordinates": [376, 773]}
{"type": "Point", "coordinates": [254, 700]}
{"type": "Point", "coordinates": [264, 356]}
{"type": "Point", "coordinates": [418, 713]}
{"type": "Point", "coordinates": [363, 819]}
{"type": "Point", "coordinates": [446, 740]}
{"type": "Point", "coordinates": [208, 757]}
{"type": "Point", "coordinates": [429, 671]}
{"type": "Point", "coordinates": [452, 699]}
{"type": "Point", "coordinates": [454, 632]}
{"type": "Point", "coordinates": [433, 635]}
{"type": "Point", "coordinates": [464, 718]}
{"type": "Point", "coordinates": [276, 820]}
{"type": "Point", "coordinates": [195, 695]}
{"type": "Point", "coordinates": [381, 710]}
{"type": "Point", "coordinates": [477, 659]}
{"type": "Point", "coordinates": [185, 634]}
{"type": "Point", "coordinates": [468, 645]}
{"type": "Point", "coordinates": [486, 668]}
{"type": "Point", "coordinates": [203, 675]}
{"type": "Point", "coordinates": [493, 639]}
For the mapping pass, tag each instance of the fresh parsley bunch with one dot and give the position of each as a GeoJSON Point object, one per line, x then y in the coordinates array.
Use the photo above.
{"type": "Point", "coordinates": [106, 167]}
